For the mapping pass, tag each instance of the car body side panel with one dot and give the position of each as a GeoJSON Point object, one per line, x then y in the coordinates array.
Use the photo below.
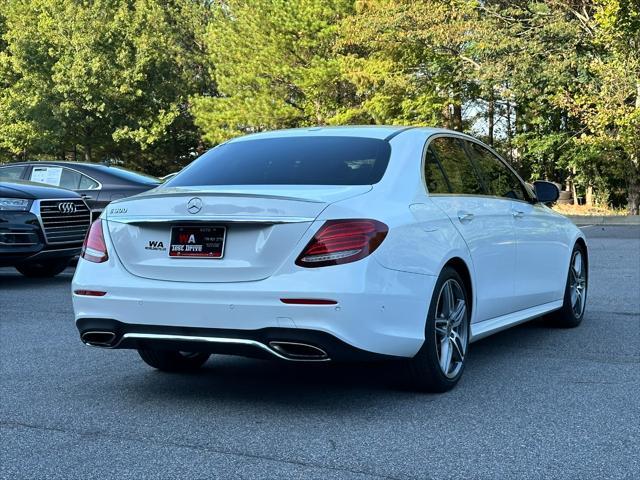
{"type": "Point", "coordinates": [545, 240]}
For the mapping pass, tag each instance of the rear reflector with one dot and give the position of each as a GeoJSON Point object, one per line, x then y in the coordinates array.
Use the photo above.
{"type": "Point", "coordinates": [342, 241]}
{"type": "Point", "coordinates": [90, 293]}
{"type": "Point", "coordinates": [307, 301]}
{"type": "Point", "coordinates": [94, 248]}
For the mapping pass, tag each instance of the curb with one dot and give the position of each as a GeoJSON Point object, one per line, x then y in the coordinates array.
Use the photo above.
{"type": "Point", "coordinates": [605, 219]}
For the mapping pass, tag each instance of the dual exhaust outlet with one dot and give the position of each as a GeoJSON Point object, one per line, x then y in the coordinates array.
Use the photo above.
{"type": "Point", "coordinates": [281, 349]}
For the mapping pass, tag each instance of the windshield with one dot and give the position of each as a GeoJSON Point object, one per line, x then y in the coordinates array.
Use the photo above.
{"type": "Point", "coordinates": [290, 161]}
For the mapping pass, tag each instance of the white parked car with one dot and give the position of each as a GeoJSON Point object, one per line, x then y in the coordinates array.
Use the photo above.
{"type": "Point", "coordinates": [330, 244]}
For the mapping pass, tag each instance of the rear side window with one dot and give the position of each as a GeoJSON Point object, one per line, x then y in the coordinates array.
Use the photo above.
{"type": "Point", "coordinates": [70, 179]}
{"type": "Point", "coordinates": [290, 161]}
{"type": "Point", "coordinates": [11, 173]}
{"type": "Point", "coordinates": [433, 174]}
{"type": "Point", "coordinates": [87, 183]}
{"type": "Point", "coordinates": [457, 167]}
{"type": "Point", "coordinates": [131, 176]}
{"type": "Point", "coordinates": [500, 181]}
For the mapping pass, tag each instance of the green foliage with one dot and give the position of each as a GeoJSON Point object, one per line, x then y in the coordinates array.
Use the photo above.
{"type": "Point", "coordinates": [111, 78]}
{"type": "Point", "coordinates": [274, 66]}
{"type": "Point", "coordinates": [409, 61]}
{"type": "Point", "coordinates": [553, 84]}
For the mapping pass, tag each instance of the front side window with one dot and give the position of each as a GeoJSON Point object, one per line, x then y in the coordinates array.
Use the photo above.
{"type": "Point", "coordinates": [290, 161]}
{"type": "Point", "coordinates": [457, 167]}
{"type": "Point", "coordinates": [500, 181]}
{"type": "Point", "coordinates": [11, 173]}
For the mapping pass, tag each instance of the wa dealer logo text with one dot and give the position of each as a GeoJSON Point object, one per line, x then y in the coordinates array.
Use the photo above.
{"type": "Point", "coordinates": [155, 245]}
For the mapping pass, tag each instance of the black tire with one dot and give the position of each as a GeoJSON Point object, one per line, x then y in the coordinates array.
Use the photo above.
{"type": "Point", "coordinates": [424, 371]}
{"type": "Point", "coordinates": [173, 361]}
{"type": "Point", "coordinates": [43, 268]}
{"type": "Point", "coordinates": [569, 316]}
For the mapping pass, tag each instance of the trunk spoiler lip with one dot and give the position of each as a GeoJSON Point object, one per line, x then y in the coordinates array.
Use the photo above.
{"type": "Point", "coordinates": [183, 220]}
{"type": "Point", "coordinates": [202, 192]}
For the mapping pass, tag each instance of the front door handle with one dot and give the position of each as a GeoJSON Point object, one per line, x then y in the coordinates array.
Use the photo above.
{"type": "Point", "coordinates": [518, 213]}
{"type": "Point", "coordinates": [465, 217]}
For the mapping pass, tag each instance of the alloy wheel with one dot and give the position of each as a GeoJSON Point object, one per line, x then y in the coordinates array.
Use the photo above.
{"type": "Point", "coordinates": [577, 283]}
{"type": "Point", "coordinates": [452, 328]}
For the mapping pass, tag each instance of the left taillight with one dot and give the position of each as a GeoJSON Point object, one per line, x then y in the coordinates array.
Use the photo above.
{"type": "Point", "coordinates": [94, 248]}
{"type": "Point", "coordinates": [342, 241]}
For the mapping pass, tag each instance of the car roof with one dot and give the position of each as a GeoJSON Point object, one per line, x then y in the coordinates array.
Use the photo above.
{"type": "Point", "coordinates": [99, 171]}
{"type": "Point", "coordinates": [382, 132]}
{"type": "Point", "coordinates": [58, 162]}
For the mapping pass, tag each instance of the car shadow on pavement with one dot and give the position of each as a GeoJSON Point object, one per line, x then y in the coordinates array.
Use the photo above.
{"type": "Point", "coordinates": [231, 378]}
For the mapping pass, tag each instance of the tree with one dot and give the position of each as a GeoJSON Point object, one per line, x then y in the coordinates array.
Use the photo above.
{"type": "Point", "coordinates": [110, 77]}
{"type": "Point", "coordinates": [410, 62]}
{"type": "Point", "coordinates": [610, 104]}
{"type": "Point", "coordinates": [274, 67]}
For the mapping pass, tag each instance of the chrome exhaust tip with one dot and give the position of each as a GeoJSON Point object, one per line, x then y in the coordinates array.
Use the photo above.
{"type": "Point", "coordinates": [98, 338]}
{"type": "Point", "coordinates": [299, 351]}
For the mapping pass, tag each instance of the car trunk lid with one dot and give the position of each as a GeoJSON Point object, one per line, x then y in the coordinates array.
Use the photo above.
{"type": "Point", "coordinates": [262, 225]}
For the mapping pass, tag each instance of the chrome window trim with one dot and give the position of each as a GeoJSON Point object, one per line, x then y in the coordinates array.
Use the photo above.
{"type": "Point", "coordinates": [38, 164]}
{"type": "Point", "coordinates": [184, 220]}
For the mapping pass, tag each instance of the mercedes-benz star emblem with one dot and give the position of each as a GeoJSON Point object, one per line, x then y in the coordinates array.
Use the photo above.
{"type": "Point", "coordinates": [194, 206]}
{"type": "Point", "coordinates": [67, 207]}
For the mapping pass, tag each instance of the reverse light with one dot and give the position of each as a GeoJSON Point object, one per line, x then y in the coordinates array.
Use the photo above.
{"type": "Point", "coordinates": [342, 241]}
{"type": "Point", "coordinates": [94, 248]}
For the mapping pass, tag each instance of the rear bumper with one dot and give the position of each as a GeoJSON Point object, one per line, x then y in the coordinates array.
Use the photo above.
{"type": "Point", "coordinates": [378, 311]}
{"type": "Point", "coordinates": [263, 343]}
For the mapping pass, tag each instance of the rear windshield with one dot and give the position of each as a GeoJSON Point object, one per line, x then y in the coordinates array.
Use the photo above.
{"type": "Point", "coordinates": [290, 161]}
{"type": "Point", "coordinates": [131, 176]}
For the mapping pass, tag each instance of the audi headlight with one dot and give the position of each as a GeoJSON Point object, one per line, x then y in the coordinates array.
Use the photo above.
{"type": "Point", "coordinates": [14, 204]}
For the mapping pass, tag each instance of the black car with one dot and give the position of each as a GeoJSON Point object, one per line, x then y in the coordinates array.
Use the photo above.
{"type": "Point", "coordinates": [41, 227]}
{"type": "Point", "coordinates": [99, 184]}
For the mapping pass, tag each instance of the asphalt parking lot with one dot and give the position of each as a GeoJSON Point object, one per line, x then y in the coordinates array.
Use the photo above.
{"type": "Point", "coordinates": [534, 402]}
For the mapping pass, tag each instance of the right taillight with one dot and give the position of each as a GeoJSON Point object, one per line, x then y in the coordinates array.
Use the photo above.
{"type": "Point", "coordinates": [94, 248]}
{"type": "Point", "coordinates": [342, 241]}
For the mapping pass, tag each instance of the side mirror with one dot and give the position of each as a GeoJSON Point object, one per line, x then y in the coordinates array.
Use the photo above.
{"type": "Point", "coordinates": [546, 192]}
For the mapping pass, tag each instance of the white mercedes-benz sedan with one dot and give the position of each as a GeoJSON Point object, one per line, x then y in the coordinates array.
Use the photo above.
{"type": "Point", "coordinates": [331, 244]}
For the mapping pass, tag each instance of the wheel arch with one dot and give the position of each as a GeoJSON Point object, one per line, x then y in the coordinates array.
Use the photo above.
{"type": "Point", "coordinates": [460, 266]}
{"type": "Point", "coordinates": [580, 241]}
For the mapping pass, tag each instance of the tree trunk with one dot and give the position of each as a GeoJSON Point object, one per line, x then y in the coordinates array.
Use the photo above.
{"type": "Point", "coordinates": [491, 118]}
{"type": "Point", "coordinates": [457, 117]}
{"type": "Point", "coordinates": [633, 195]}
{"type": "Point", "coordinates": [509, 132]}
{"type": "Point", "coordinates": [588, 198]}
{"type": "Point", "coordinates": [87, 153]}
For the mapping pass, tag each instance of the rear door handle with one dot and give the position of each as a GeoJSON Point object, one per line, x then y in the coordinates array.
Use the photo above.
{"type": "Point", "coordinates": [518, 214]}
{"type": "Point", "coordinates": [465, 217]}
